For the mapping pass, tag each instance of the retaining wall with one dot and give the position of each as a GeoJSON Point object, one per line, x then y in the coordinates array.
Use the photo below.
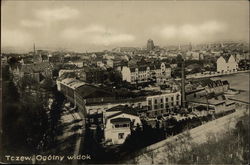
{"type": "Point", "coordinates": [162, 151]}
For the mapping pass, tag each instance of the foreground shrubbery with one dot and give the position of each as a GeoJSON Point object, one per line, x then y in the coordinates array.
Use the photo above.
{"type": "Point", "coordinates": [233, 148]}
{"type": "Point", "coordinates": [29, 126]}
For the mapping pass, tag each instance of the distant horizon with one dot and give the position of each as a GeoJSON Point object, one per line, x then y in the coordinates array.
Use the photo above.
{"type": "Point", "coordinates": [12, 49]}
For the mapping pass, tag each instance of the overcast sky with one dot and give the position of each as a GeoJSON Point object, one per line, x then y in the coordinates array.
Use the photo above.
{"type": "Point", "coordinates": [99, 25]}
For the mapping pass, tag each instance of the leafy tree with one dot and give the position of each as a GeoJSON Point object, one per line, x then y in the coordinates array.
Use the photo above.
{"type": "Point", "coordinates": [24, 122]}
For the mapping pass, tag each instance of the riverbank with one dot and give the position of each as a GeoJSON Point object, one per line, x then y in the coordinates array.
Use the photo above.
{"type": "Point", "coordinates": [214, 74]}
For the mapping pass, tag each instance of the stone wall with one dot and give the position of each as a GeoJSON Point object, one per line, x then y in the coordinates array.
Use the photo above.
{"type": "Point", "coordinates": [166, 150]}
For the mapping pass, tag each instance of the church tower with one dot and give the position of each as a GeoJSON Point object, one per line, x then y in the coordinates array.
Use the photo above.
{"type": "Point", "coordinates": [37, 57]}
{"type": "Point", "coordinates": [150, 45]}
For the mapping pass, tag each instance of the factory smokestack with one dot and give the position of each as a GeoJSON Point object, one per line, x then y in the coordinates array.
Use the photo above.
{"type": "Point", "coordinates": [183, 95]}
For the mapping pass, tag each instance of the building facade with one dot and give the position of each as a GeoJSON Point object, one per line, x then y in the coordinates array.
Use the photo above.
{"type": "Point", "coordinates": [150, 45]}
{"type": "Point", "coordinates": [145, 73]}
{"type": "Point", "coordinates": [163, 103]}
{"type": "Point", "coordinates": [119, 122]}
{"type": "Point", "coordinates": [227, 64]}
{"type": "Point", "coordinates": [35, 72]}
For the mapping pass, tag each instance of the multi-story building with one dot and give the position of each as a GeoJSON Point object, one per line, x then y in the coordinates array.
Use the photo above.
{"type": "Point", "coordinates": [139, 102]}
{"type": "Point", "coordinates": [163, 103]}
{"type": "Point", "coordinates": [227, 64]}
{"type": "Point", "coordinates": [94, 75]}
{"type": "Point", "coordinates": [145, 73]}
{"type": "Point", "coordinates": [79, 93]}
{"type": "Point", "coordinates": [68, 87]}
{"type": "Point", "coordinates": [34, 72]}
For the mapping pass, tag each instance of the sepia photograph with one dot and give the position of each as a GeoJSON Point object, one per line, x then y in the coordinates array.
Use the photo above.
{"type": "Point", "coordinates": [124, 82]}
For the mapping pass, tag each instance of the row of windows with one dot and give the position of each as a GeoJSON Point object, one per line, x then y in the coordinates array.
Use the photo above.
{"type": "Point", "coordinates": [148, 70]}
{"type": "Point", "coordinates": [167, 99]}
{"type": "Point", "coordinates": [140, 76]}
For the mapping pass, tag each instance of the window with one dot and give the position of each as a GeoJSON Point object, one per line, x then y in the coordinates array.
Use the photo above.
{"type": "Point", "coordinates": [155, 101]}
{"type": "Point", "coordinates": [155, 107]}
{"type": "Point", "coordinates": [161, 100]}
{"type": "Point", "coordinates": [120, 135]}
{"type": "Point", "coordinates": [149, 102]}
{"type": "Point", "coordinates": [161, 105]}
{"type": "Point", "coordinates": [178, 96]}
{"type": "Point", "coordinates": [91, 120]}
{"type": "Point", "coordinates": [166, 99]}
{"type": "Point", "coordinates": [172, 98]}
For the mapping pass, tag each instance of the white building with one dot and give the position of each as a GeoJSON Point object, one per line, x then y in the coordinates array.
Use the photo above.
{"type": "Point", "coordinates": [162, 103]}
{"type": "Point", "coordinates": [110, 63]}
{"type": "Point", "coordinates": [226, 65]}
{"type": "Point", "coordinates": [145, 73]}
{"type": "Point", "coordinates": [119, 121]}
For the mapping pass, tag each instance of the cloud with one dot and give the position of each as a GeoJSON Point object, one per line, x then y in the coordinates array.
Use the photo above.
{"type": "Point", "coordinates": [47, 16]}
{"type": "Point", "coordinates": [169, 31]}
{"type": "Point", "coordinates": [63, 13]}
{"type": "Point", "coordinates": [191, 32]}
{"type": "Point", "coordinates": [15, 38]}
{"type": "Point", "coordinates": [108, 39]}
{"type": "Point", "coordinates": [31, 23]}
{"type": "Point", "coordinates": [96, 34]}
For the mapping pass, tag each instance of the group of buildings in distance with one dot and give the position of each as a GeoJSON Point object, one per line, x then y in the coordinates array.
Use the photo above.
{"type": "Point", "coordinates": [117, 89]}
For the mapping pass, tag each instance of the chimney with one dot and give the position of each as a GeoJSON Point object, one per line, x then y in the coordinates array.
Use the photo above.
{"type": "Point", "coordinates": [183, 95]}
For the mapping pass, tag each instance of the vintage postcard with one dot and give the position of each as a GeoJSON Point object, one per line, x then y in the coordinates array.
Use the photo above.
{"type": "Point", "coordinates": [124, 82]}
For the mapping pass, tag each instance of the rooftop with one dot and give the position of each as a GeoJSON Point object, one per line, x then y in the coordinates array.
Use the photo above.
{"type": "Point", "coordinates": [89, 91]}
{"type": "Point", "coordinates": [122, 109]}
{"type": "Point", "coordinates": [120, 120]}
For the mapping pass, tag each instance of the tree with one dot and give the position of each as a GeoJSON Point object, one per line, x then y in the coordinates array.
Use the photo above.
{"type": "Point", "coordinates": [24, 122]}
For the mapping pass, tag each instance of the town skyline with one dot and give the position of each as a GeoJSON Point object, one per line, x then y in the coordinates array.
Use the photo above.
{"type": "Point", "coordinates": [74, 26]}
